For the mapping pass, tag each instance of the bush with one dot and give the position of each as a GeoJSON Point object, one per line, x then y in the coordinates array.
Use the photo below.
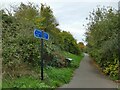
{"type": "Point", "coordinates": [102, 37]}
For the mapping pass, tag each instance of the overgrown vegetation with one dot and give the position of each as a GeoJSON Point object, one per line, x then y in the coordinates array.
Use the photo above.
{"type": "Point", "coordinates": [21, 50]}
{"type": "Point", "coordinates": [102, 37]}
{"type": "Point", "coordinates": [53, 77]}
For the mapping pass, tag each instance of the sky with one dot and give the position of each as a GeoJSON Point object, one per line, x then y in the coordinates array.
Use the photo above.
{"type": "Point", "coordinates": [71, 14]}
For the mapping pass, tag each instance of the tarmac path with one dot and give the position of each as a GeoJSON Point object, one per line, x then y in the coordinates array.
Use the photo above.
{"type": "Point", "coordinates": [88, 76]}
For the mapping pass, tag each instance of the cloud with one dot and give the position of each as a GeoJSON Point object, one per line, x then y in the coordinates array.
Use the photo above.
{"type": "Point", "coordinates": [70, 14]}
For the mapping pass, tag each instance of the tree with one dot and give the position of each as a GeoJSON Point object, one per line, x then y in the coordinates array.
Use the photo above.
{"type": "Point", "coordinates": [81, 45]}
{"type": "Point", "coordinates": [102, 33]}
{"type": "Point", "coordinates": [69, 43]}
{"type": "Point", "coordinates": [19, 45]}
{"type": "Point", "coordinates": [46, 20]}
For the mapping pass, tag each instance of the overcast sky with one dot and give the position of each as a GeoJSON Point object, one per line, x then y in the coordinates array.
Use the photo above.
{"type": "Point", "coordinates": [71, 14]}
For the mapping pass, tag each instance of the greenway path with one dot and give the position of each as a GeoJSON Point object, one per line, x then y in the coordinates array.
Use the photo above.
{"type": "Point", "coordinates": [88, 76]}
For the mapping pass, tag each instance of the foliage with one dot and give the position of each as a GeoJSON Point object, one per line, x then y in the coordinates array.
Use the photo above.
{"type": "Point", "coordinates": [25, 82]}
{"type": "Point", "coordinates": [53, 77]}
{"type": "Point", "coordinates": [69, 44]}
{"type": "Point", "coordinates": [75, 59]}
{"type": "Point", "coordinates": [19, 43]}
{"type": "Point", "coordinates": [20, 47]}
{"type": "Point", "coordinates": [59, 76]}
{"type": "Point", "coordinates": [102, 38]}
{"type": "Point", "coordinates": [81, 45]}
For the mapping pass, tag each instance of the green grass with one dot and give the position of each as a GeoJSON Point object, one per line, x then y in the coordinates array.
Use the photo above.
{"type": "Point", "coordinates": [75, 59]}
{"type": "Point", "coordinates": [58, 76]}
{"type": "Point", "coordinates": [24, 82]}
{"type": "Point", "coordinates": [53, 77]}
{"type": "Point", "coordinates": [0, 85]}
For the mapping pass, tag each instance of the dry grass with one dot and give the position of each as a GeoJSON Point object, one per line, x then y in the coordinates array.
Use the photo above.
{"type": "Point", "coordinates": [18, 71]}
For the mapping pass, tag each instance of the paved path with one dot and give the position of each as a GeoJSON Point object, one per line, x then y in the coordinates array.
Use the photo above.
{"type": "Point", "coordinates": [88, 76]}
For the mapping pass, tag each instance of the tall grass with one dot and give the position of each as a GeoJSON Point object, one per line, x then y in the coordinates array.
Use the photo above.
{"type": "Point", "coordinates": [53, 77]}
{"type": "Point", "coordinates": [60, 76]}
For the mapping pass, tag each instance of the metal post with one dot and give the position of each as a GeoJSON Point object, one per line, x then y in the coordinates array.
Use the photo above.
{"type": "Point", "coordinates": [42, 57]}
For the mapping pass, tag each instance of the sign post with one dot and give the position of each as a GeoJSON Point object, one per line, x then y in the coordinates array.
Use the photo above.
{"type": "Point", "coordinates": [42, 57]}
{"type": "Point", "coordinates": [42, 35]}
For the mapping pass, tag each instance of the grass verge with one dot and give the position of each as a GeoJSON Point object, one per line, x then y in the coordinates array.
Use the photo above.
{"type": "Point", "coordinates": [53, 77]}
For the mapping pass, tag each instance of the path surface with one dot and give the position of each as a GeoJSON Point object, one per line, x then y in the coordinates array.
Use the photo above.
{"type": "Point", "coordinates": [88, 76]}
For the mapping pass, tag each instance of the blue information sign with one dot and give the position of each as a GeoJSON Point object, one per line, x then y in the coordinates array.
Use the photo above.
{"type": "Point", "coordinates": [38, 34]}
{"type": "Point", "coordinates": [42, 35]}
{"type": "Point", "coordinates": [46, 36]}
